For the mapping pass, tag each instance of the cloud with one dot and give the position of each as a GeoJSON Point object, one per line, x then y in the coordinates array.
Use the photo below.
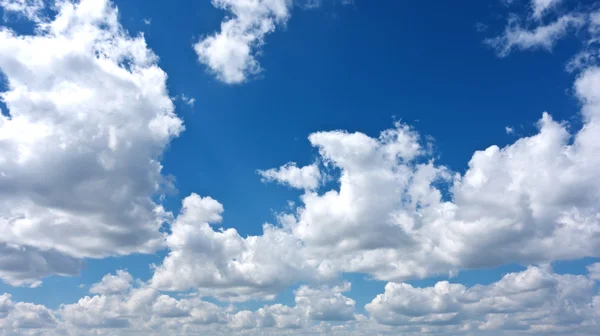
{"type": "Point", "coordinates": [30, 9]}
{"type": "Point", "coordinates": [594, 271]}
{"type": "Point", "coordinates": [231, 53]}
{"type": "Point", "coordinates": [142, 310]}
{"type": "Point", "coordinates": [21, 316]}
{"type": "Point", "coordinates": [21, 266]}
{"type": "Point", "coordinates": [307, 177]}
{"type": "Point", "coordinates": [113, 284]}
{"type": "Point", "coordinates": [541, 7]}
{"type": "Point", "coordinates": [222, 263]}
{"type": "Point", "coordinates": [515, 36]}
{"type": "Point", "coordinates": [397, 215]}
{"type": "Point", "coordinates": [77, 178]}
{"type": "Point", "coordinates": [188, 100]}
{"type": "Point", "coordinates": [535, 301]}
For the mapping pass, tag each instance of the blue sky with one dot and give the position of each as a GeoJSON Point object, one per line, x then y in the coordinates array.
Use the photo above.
{"type": "Point", "coordinates": [113, 120]}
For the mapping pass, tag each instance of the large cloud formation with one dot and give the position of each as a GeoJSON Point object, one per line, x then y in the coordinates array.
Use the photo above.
{"type": "Point", "coordinates": [78, 180]}
{"type": "Point", "coordinates": [88, 118]}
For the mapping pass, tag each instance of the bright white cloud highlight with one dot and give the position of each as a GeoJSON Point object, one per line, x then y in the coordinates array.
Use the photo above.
{"type": "Point", "coordinates": [231, 53]}
{"type": "Point", "coordinates": [307, 177]}
{"type": "Point", "coordinates": [78, 177]}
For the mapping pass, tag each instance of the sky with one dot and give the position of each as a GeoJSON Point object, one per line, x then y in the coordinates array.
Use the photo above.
{"type": "Point", "coordinates": [299, 167]}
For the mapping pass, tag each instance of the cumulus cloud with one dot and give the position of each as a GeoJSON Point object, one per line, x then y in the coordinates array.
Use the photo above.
{"type": "Point", "coordinates": [223, 264]}
{"type": "Point", "coordinates": [139, 309]}
{"type": "Point", "coordinates": [307, 177]}
{"type": "Point", "coordinates": [535, 301]}
{"type": "Point", "coordinates": [77, 178]}
{"type": "Point", "coordinates": [395, 214]}
{"type": "Point", "coordinates": [17, 317]}
{"type": "Point", "coordinates": [113, 284]}
{"type": "Point", "coordinates": [231, 53]}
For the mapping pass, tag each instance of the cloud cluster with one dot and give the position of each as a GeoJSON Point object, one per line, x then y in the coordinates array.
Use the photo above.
{"type": "Point", "coordinates": [139, 309]}
{"type": "Point", "coordinates": [88, 118]}
{"type": "Point", "coordinates": [534, 301]}
{"type": "Point", "coordinates": [231, 53]}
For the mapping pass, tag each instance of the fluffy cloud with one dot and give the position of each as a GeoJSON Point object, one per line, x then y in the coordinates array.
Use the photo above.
{"type": "Point", "coordinates": [397, 215]}
{"type": "Point", "coordinates": [19, 316]}
{"type": "Point", "coordinates": [142, 310]}
{"type": "Point", "coordinates": [594, 271]}
{"type": "Point", "coordinates": [308, 177]}
{"type": "Point", "coordinates": [113, 284]}
{"type": "Point", "coordinates": [77, 178]}
{"type": "Point", "coordinates": [535, 301]}
{"type": "Point", "coordinates": [231, 53]}
{"type": "Point", "coordinates": [221, 262]}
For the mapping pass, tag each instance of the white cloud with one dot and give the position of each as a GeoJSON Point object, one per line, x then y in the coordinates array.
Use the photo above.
{"type": "Point", "coordinates": [541, 7]}
{"type": "Point", "coordinates": [594, 271]}
{"type": "Point", "coordinates": [222, 263]}
{"type": "Point", "coordinates": [535, 301]}
{"type": "Point", "coordinates": [388, 217]}
{"type": "Point", "coordinates": [113, 284]}
{"type": "Point", "coordinates": [77, 178]}
{"type": "Point", "coordinates": [21, 316]}
{"type": "Point", "coordinates": [509, 130]}
{"type": "Point", "coordinates": [231, 53]}
{"type": "Point", "coordinates": [307, 177]}
{"type": "Point", "coordinates": [30, 9]}
{"type": "Point", "coordinates": [142, 310]}
{"type": "Point", "coordinates": [515, 36]}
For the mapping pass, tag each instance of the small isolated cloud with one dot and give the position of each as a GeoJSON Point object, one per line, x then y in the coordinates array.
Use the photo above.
{"type": "Point", "coordinates": [231, 53]}
{"type": "Point", "coordinates": [509, 130]}
{"type": "Point", "coordinates": [148, 21]}
{"type": "Point", "coordinates": [308, 177]}
{"type": "Point", "coordinates": [188, 100]}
